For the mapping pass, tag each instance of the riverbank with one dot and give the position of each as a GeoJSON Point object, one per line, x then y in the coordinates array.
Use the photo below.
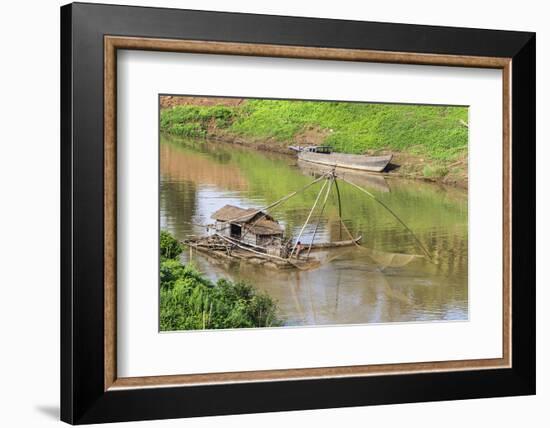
{"type": "Point", "coordinates": [428, 142]}
{"type": "Point", "coordinates": [190, 301]}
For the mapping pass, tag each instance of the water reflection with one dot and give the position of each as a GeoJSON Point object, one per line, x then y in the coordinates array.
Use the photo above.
{"type": "Point", "coordinates": [352, 285]}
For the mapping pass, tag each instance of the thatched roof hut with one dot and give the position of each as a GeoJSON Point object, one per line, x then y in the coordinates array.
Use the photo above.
{"type": "Point", "coordinates": [253, 226]}
{"type": "Point", "coordinates": [236, 214]}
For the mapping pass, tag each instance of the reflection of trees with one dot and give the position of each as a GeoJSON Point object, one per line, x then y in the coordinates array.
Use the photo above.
{"type": "Point", "coordinates": [178, 202]}
{"type": "Point", "coordinates": [179, 164]}
{"type": "Point", "coordinates": [182, 172]}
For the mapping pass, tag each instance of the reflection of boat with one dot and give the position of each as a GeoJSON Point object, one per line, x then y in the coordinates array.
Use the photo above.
{"type": "Point", "coordinates": [325, 156]}
{"type": "Point", "coordinates": [348, 161]}
{"type": "Point", "coordinates": [371, 181]}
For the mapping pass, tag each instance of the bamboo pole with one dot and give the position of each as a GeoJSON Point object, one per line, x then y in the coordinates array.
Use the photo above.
{"type": "Point", "coordinates": [346, 229]}
{"type": "Point", "coordinates": [307, 219]}
{"type": "Point", "coordinates": [332, 180]}
{"type": "Point", "coordinates": [339, 205]}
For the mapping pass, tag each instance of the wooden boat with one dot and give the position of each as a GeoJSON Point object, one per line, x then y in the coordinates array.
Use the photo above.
{"type": "Point", "coordinates": [348, 161]}
{"type": "Point", "coordinates": [335, 244]}
{"type": "Point", "coordinates": [311, 149]}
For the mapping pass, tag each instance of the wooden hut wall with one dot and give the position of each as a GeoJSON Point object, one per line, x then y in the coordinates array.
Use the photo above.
{"type": "Point", "coordinates": [264, 240]}
{"type": "Point", "coordinates": [249, 237]}
{"type": "Point", "coordinates": [223, 228]}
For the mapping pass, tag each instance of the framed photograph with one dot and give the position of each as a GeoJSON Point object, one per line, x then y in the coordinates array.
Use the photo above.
{"type": "Point", "coordinates": [266, 213]}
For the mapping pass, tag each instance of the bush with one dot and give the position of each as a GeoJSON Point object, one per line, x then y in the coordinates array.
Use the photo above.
{"type": "Point", "coordinates": [188, 130]}
{"type": "Point", "coordinates": [189, 301]}
{"type": "Point", "coordinates": [170, 248]}
{"type": "Point", "coordinates": [193, 121]}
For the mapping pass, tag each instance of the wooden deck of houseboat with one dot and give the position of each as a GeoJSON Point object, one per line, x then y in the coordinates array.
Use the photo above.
{"type": "Point", "coordinates": [222, 248]}
{"type": "Point", "coordinates": [231, 249]}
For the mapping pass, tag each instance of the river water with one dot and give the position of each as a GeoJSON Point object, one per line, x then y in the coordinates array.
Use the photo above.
{"type": "Point", "coordinates": [377, 283]}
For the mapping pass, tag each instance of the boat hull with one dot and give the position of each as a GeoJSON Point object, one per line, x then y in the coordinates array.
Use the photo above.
{"type": "Point", "coordinates": [343, 160]}
{"type": "Point", "coordinates": [336, 244]}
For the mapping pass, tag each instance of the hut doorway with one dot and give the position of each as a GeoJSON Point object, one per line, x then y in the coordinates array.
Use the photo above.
{"type": "Point", "coordinates": [235, 231]}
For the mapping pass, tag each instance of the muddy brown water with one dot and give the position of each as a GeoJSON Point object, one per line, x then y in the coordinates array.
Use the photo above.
{"type": "Point", "coordinates": [372, 284]}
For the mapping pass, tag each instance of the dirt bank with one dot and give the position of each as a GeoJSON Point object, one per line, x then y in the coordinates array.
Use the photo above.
{"type": "Point", "coordinates": [169, 101]}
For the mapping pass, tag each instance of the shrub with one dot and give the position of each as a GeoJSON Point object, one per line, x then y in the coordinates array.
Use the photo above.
{"type": "Point", "coordinates": [188, 130]}
{"type": "Point", "coordinates": [170, 248]}
{"type": "Point", "coordinates": [193, 121]}
{"type": "Point", "coordinates": [190, 301]}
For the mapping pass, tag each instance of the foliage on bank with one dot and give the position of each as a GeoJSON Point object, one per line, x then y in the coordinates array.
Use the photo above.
{"type": "Point", "coordinates": [170, 247]}
{"type": "Point", "coordinates": [437, 132]}
{"type": "Point", "coordinates": [194, 121]}
{"type": "Point", "coordinates": [190, 301]}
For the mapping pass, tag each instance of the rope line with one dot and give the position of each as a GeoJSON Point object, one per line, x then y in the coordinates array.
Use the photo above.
{"type": "Point", "coordinates": [394, 215]}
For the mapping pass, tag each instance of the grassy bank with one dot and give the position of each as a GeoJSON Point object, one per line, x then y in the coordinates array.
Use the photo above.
{"type": "Point", "coordinates": [190, 301]}
{"type": "Point", "coordinates": [429, 142]}
{"type": "Point", "coordinates": [437, 132]}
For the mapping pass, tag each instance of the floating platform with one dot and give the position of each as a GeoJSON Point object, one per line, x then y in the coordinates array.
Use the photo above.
{"type": "Point", "coordinates": [232, 250]}
{"type": "Point", "coordinates": [225, 251]}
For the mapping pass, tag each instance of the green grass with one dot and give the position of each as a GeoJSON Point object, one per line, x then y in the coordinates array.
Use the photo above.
{"type": "Point", "coordinates": [437, 132]}
{"type": "Point", "coordinates": [193, 121]}
{"type": "Point", "coordinates": [190, 301]}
